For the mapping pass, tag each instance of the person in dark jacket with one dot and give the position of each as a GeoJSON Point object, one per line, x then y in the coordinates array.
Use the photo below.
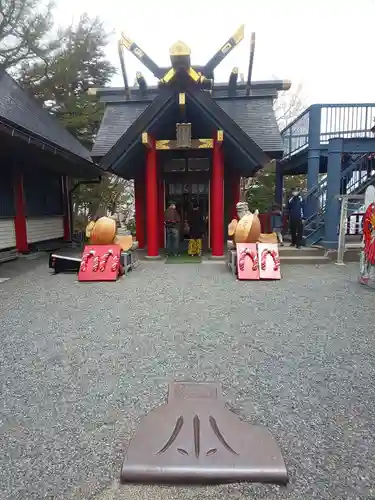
{"type": "Point", "coordinates": [197, 227]}
{"type": "Point", "coordinates": [296, 218]}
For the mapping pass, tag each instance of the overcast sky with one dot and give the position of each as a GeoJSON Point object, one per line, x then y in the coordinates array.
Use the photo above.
{"type": "Point", "coordinates": [325, 45]}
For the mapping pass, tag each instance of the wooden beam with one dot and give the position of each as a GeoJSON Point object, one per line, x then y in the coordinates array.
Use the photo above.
{"type": "Point", "coordinates": [146, 140]}
{"type": "Point", "coordinates": [167, 144]}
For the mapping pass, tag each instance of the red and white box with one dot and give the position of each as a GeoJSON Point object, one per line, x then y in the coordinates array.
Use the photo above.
{"type": "Point", "coordinates": [100, 263]}
{"type": "Point", "coordinates": [269, 261]}
{"type": "Point", "coordinates": [247, 261]}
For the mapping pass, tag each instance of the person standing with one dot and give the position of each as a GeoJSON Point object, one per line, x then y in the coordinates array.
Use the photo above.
{"type": "Point", "coordinates": [277, 222]}
{"type": "Point", "coordinates": [197, 225]}
{"type": "Point", "coordinates": [296, 218]}
{"type": "Point", "coordinates": [172, 221]}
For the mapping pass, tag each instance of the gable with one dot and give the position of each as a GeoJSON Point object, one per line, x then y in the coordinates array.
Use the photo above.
{"type": "Point", "coordinates": [255, 116]}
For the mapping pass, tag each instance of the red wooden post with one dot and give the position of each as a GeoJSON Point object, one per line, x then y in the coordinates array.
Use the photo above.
{"type": "Point", "coordinates": [217, 200]}
{"type": "Point", "coordinates": [20, 218]}
{"type": "Point", "coordinates": [66, 208]}
{"type": "Point", "coordinates": [152, 202]}
{"type": "Point", "coordinates": [139, 195]}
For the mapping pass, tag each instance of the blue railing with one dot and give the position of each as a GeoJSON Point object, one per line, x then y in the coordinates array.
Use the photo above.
{"type": "Point", "coordinates": [354, 179]}
{"type": "Point", "coordinates": [330, 120]}
{"type": "Point", "coordinates": [296, 135]}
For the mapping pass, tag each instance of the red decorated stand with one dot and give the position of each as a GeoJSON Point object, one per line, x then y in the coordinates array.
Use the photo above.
{"type": "Point", "coordinates": [247, 258]}
{"type": "Point", "coordinates": [100, 263]}
{"type": "Point", "coordinates": [258, 261]}
{"type": "Point", "coordinates": [367, 262]}
{"type": "Point", "coordinates": [269, 261]}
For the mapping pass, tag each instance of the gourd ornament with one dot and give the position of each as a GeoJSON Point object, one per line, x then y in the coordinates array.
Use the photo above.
{"type": "Point", "coordinates": [247, 228]}
{"type": "Point", "coordinates": [103, 232]}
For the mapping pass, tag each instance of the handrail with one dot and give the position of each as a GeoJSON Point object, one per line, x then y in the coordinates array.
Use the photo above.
{"type": "Point", "coordinates": [336, 120]}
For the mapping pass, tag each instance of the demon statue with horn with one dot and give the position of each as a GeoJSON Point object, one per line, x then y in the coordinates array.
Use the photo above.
{"type": "Point", "coordinates": [247, 228]}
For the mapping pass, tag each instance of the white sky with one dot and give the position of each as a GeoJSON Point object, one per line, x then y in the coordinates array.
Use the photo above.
{"type": "Point", "coordinates": [325, 45]}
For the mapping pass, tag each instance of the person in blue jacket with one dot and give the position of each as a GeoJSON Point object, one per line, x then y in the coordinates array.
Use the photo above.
{"type": "Point", "coordinates": [296, 217]}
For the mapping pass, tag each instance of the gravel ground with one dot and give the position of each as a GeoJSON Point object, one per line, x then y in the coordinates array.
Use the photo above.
{"type": "Point", "coordinates": [80, 363]}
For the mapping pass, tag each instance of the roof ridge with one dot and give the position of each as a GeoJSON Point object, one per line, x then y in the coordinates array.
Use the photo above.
{"type": "Point", "coordinates": [9, 109]}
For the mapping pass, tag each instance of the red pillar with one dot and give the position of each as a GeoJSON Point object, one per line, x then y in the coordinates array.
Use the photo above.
{"type": "Point", "coordinates": [152, 202]}
{"type": "Point", "coordinates": [235, 195]}
{"type": "Point", "coordinates": [20, 218]}
{"type": "Point", "coordinates": [217, 201]}
{"type": "Point", "coordinates": [139, 195]}
{"type": "Point", "coordinates": [66, 208]}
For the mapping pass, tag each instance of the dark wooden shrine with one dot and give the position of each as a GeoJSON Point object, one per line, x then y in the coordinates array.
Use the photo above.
{"type": "Point", "coordinates": [189, 138]}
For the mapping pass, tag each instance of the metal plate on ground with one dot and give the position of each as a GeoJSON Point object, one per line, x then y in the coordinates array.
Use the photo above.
{"type": "Point", "coordinates": [194, 438]}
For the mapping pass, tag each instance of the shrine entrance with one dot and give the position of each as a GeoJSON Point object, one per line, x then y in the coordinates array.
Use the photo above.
{"type": "Point", "coordinates": [187, 184]}
{"type": "Point", "coordinates": [186, 195]}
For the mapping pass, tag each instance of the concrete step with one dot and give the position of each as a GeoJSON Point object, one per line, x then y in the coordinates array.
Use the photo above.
{"type": "Point", "coordinates": [304, 259]}
{"type": "Point", "coordinates": [305, 251]}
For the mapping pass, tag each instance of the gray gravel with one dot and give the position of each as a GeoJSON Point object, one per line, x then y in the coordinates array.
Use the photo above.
{"type": "Point", "coordinates": [80, 363]}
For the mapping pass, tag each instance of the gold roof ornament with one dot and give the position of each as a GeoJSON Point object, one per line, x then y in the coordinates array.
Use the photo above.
{"type": "Point", "coordinates": [179, 48]}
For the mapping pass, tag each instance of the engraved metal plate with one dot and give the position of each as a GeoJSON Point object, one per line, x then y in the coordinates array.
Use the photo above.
{"type": "Point", "coordinates": [195, 439]}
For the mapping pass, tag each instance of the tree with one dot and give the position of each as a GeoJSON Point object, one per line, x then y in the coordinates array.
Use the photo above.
{"type": "Point", "coordinates": [61, 83]}
{"type": "Point", "coordinates": [62, 80]}
{"type": "Point", "coordinates": [23, 32]}
{"type": "Point", "coordinates": [259, 191]}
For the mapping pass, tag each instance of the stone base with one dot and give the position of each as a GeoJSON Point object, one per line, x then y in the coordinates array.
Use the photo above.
{"type": "Point", "coordinates": [152, 257]}
{"type": "Point", "coordinates": [216, 257]}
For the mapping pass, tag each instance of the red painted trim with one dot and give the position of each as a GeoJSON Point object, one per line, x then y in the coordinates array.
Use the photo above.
{"type": "Point", "coordinates": [66, 208]}
{"type": "Point", "coordinates": [139, 195]}
{"type": "Point", "coordinates": [20, 218]}
{"type": "Point", "coordinates": [152, 202]}
{"type": "Point", "coordinates": [217, 201]}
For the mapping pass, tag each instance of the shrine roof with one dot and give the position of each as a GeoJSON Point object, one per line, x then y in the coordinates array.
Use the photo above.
{"type": "Point", "coordinates": [253, 114]}
{"type": "Point", "coordinates": [23, 115]}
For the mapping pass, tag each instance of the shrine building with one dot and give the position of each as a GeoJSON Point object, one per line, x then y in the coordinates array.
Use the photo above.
{"type": "Point", "coordinates": [189, 139]}
{"type": "Point", "coordinates": [40, 163]}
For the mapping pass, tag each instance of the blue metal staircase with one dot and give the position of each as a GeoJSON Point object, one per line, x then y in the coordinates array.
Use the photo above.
{"type": "Point", "coordinates": [357, 175]}
{"type": "Point", "coordinates": [311, 144]}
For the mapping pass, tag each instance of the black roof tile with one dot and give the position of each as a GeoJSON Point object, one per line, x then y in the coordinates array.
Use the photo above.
{"type": "Point", "coordinates": [116, 120]}
{"type": "Point", "coordinates": [254, 115]}
{"type": "Point", "coordinates": [22, 110]}
{"type": "Point", "coordinates": [257, 118]}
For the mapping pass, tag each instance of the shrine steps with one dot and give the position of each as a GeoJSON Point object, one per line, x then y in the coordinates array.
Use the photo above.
{"type": "Point", "coordinates": [303, 255]}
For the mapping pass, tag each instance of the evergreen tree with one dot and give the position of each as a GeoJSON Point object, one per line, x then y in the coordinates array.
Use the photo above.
{"type": "Point", "coordinates": [24, 28]}
{"type": "Point", "coordinates": [62, 81]}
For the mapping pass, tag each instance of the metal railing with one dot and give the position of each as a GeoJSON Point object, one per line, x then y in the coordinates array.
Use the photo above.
{"type": "Point", "coordinates": [346, 201]}
{"type": "Point", "coordinates": [353, 223]}
{"type": "Point", "coordinates": [334, 120]}
{"type": "Point", "coordinates": [296, 135]}
{"type": "Point", "coordinates": [354, 180]}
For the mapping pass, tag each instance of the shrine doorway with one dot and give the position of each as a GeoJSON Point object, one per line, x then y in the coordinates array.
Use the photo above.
{"type": "Point", "coordinates": [186, 195]}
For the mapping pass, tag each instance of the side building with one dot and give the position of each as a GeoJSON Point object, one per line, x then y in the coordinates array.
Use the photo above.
{"type": "Point", "coordinates": [38, 160]}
